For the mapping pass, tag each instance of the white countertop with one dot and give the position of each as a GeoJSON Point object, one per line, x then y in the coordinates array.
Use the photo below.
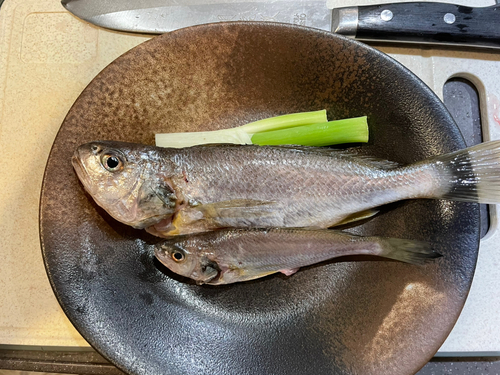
{"type": "Point", "coordinates": [47, 57]}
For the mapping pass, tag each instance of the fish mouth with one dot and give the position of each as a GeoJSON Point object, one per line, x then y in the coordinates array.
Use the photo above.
{"type": "Point", "coordinates": [81, 172]}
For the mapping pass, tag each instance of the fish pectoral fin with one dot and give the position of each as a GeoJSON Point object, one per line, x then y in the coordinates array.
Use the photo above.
{"type": "Point", "coordinates": [237, 208]}
{"type": "Point", "coordinates": [289, 271]}
{"type": "Point", "coordinates": [362, 215]}
{"type": "Point", "coordinates": [206, 217]}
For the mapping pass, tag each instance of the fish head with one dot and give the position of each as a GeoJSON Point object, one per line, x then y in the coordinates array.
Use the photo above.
{"type": "Point", "coordinates": [125, 179]}
{"type": "Point", "coordinates": [187, 259]}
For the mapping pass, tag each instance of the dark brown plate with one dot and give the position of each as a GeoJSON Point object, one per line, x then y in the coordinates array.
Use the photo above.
{"type": "Point", "coordinates": [343, 317]}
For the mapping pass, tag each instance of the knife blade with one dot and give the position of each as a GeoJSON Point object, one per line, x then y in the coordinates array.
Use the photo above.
{"type": "Point", "coordinates": [161, 16]}
{"type": "Point", "coordinates": [414, 22]}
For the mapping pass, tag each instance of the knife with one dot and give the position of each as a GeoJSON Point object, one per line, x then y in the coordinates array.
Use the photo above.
{"type": "Point", "coordinates": [417, 22]}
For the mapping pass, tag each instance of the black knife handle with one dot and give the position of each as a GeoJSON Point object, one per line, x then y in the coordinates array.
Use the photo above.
{"type": "Point", "coordinates": [430, 23]}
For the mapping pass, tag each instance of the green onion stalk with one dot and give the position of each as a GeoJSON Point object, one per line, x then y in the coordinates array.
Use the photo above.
{"type": "Point", "coordinates": [304, 128]}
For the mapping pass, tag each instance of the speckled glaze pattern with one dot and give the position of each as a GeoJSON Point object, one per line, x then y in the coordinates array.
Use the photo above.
{"type": "Point", "coordinates": [341, 317]}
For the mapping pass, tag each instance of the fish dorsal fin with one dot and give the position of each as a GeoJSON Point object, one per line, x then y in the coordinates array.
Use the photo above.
{"type": "Point", "coordinates": [371, 160]}
{"type": "Point", "coordinates": [348, 153]}
{"type": "Point", "coordinates": [377, 163]}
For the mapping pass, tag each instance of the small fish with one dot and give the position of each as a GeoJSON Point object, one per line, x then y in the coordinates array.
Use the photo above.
{"type": "Point", "coordinates": [197, 189]}
{"type": "Point", "coordinates": [233, 255]}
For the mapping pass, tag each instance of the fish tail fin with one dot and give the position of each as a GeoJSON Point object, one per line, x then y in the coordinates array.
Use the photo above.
{"type": "Point", "coordinates": [472, 174]}
{"type": "Point", "coordinates": [408, 251]}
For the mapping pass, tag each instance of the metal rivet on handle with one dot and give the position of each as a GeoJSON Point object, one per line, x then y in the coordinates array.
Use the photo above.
{"type": "Point", "coordinates": [386, 15]}
{"type": "Point", "coordinates": [449, 18]}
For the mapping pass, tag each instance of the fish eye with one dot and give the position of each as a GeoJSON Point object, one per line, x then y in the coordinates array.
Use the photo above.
{"type": "Point", "coordinates": [178, 255]}
{"type": "Point", "coordinates": [111, 162]}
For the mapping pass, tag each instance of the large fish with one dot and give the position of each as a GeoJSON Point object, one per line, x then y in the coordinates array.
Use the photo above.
{"type": "Point", "coordinates": [197, 189]}
{"type": "Point", "coordinates": [233, 255]}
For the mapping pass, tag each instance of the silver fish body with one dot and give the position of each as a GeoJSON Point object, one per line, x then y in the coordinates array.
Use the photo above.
{"type": "Point", "coordinates": [234, 255]}
{"type": "Point", "coordinates": [202, 188]}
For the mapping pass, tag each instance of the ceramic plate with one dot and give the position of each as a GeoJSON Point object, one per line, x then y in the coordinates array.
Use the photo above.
{"type": "Point", "coordinates": [350, 316]}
